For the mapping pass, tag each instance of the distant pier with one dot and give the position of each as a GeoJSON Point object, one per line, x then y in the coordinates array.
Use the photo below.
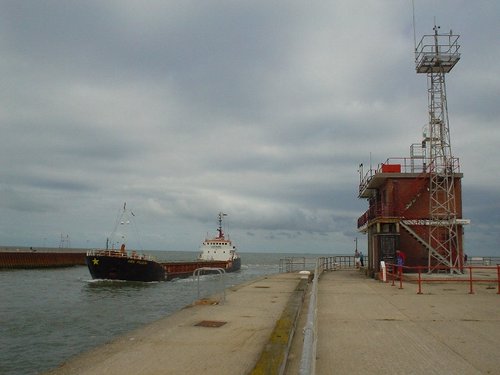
{"type": "Point", "coordinates": [25, 257]}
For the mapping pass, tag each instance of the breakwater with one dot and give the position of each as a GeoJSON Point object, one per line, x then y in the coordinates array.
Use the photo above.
{"type": "Point", "coordinates": [31, 258]}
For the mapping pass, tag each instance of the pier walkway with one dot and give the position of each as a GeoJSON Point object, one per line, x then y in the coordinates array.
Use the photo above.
{"type": "Point", "coordinates": [247, 333]}
{"type": "Point", "coordinates": [369, 327]}
{"type": "Point", "coordinates": [364, 327]}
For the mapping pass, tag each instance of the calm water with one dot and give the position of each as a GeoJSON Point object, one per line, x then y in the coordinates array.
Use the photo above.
{"type": "Point", "coordinates": [47, 316]}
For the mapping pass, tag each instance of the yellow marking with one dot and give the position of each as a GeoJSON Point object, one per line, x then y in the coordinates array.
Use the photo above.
{"type": "Point", "coordinates": [95, 261]}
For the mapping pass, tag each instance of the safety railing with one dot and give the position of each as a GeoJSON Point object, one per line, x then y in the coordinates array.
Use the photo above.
{"type": "Point", "coordinates": [415, 165]}
{"type": "Point", "coordinates": [210, 270]}
{"type": "Point", "coordinates": [117, 253]}
{"type": "Point", "coordinates": [338, 262]}
{"type": "Point", "coordinates": [379, 210]}
{"type": "Point", "coordinates": [468, 275]}
{"type": "Point", "coordinates": [335, 262]}
{"type": "Point", "coordinates": [294, 264]}
{"type": "Point", "coordinates": [437, 53]}
{"type": "Point", "coordinates": [308, 358]}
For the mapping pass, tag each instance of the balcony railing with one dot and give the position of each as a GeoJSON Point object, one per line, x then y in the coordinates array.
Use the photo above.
{"type": "Point", "coordinates": [378, 210]}
{"type": "Point", "coordinates": [416, 165]}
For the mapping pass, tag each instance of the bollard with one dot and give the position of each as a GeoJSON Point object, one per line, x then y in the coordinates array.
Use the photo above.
{"type": "Point", "coordinates": [384, 271]}
{"type": "Point", "coordinates": [470, 280]}
{"type": "Point", "coordinates": [393, 274]}
{"type": "Point", "coordinates": [419, 280]}
{"type": "Point", "coordinates": [498, 277]}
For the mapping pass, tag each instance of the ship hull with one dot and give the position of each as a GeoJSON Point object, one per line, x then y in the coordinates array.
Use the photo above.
{"type": "Point", "coordinates": [124, 268]}
{"type": "Point", "coordinates": [178, 270]}
{"type": "Point", "coordinates": [112, 267]}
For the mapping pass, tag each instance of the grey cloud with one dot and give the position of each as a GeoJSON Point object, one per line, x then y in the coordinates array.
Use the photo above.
{"type": "Point", "coordinates": [261, 109]}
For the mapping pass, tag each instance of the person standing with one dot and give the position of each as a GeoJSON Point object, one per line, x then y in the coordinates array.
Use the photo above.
{"type": "Point", "coordinates": [361, 259]}
{"type": "Point", "coordinates": [356, 258]}
{"type": "Point", "coordinates": [400, 261]}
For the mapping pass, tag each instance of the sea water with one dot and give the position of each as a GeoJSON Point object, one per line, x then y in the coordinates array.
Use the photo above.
{"type": "Point", "coordinates": [50, 315]}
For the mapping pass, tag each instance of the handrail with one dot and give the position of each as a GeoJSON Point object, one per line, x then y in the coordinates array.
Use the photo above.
{"type": "Point", "coordinates": [416, 165]}
{"type": "Point", "coordinates": [308, 359]}
{"type": "Point", "coordinates": [465, 275]}
{"type": "Point", "coordinates": [293, 264]}
{"type": "Point", "coordinates": [117, 253]}
{"type": "Point", "coordinates": [222, 273]}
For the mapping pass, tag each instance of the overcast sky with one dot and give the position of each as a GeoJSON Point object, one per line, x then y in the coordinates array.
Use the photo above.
{"type": "Point", "coordinates": [260, 109]}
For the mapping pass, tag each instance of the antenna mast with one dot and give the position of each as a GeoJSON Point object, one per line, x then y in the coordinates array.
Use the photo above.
{"type": "Point", "coordinates": [435, 56]}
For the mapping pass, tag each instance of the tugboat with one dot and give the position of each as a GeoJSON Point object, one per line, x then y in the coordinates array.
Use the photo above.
{"type": "Point", "coordinates": [216, 252]}
{"type": "Point", "coordinates": [120, 264]}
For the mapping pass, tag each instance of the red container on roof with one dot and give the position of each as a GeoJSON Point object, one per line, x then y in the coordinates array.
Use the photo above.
{"type": "Point", "coordinates": [391, 168]}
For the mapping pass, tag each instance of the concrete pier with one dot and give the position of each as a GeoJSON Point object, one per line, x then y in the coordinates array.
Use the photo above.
{"type": "Point", "coordinates": [247, 333]}
{"type": "Point", "coordinates": [370, 327]}
{"type": "Point", "coordinates": [364, 327]}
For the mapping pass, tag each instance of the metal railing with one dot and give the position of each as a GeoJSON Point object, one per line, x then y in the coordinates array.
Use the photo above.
{"type": "Point", "coordinates": [470, 275]}
{"type": "Point", "coordinates": [416, 165]}
{"type": "Point", "coordinates": [117, 253]}
{"type": "Point", "coordinates": [294, 264]}
{"type": "Point", "coordinates": [338, 262]}
{"type": "Point", "coordinates": [204, 270]}
{"type": "Point", "coordinates": [437, 53]}
{"type": "Point", "coordinates": [335, 262]}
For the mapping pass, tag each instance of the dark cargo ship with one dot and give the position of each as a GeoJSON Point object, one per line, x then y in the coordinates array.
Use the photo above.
{"type": "Point", "coordinates": [217, 252]}
{"type": "Point", "coordinates": [119, 265]}
{"type": "Point", "coordinates": [113, 264]}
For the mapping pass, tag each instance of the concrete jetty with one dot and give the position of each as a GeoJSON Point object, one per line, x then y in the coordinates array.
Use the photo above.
{"type": "Point", "coordinates": [249, 332]}
{"type": "Point", "coordinates": [364, 327]}
{"type": "Point", "coordinates": [370, 327]}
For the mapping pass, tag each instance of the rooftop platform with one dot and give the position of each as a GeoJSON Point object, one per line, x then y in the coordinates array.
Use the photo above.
{"type": "Point", "coordinates": [437, 53]}
{"type": "Point", "coordinates": [399, 168]}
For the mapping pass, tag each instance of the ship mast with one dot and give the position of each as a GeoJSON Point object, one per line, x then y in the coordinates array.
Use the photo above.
{"type": "Point", "coordinates": [219, 229]}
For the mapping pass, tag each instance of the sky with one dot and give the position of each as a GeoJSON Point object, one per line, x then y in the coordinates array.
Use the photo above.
{"type": "Point", "coordinates": [259, 109]}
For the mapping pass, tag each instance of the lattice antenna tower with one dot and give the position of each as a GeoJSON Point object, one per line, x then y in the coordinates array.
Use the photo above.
{"type": "Point", "coordinates": [65, 242]}
{"type": "Point", "coordinates": [435, 56]}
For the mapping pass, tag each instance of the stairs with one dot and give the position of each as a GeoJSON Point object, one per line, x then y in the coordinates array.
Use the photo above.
{"type": "Point", "coordinates": [444, 261]}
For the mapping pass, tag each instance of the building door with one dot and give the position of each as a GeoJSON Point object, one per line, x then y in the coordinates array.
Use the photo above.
{"type": "Point", "coordinates": [388, 244]}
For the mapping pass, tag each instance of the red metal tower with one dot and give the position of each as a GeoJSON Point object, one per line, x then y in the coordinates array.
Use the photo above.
{"type": "Point", "coordinates": [415, 203]}
{"type": "Point", "coordinates": [435, 56]}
